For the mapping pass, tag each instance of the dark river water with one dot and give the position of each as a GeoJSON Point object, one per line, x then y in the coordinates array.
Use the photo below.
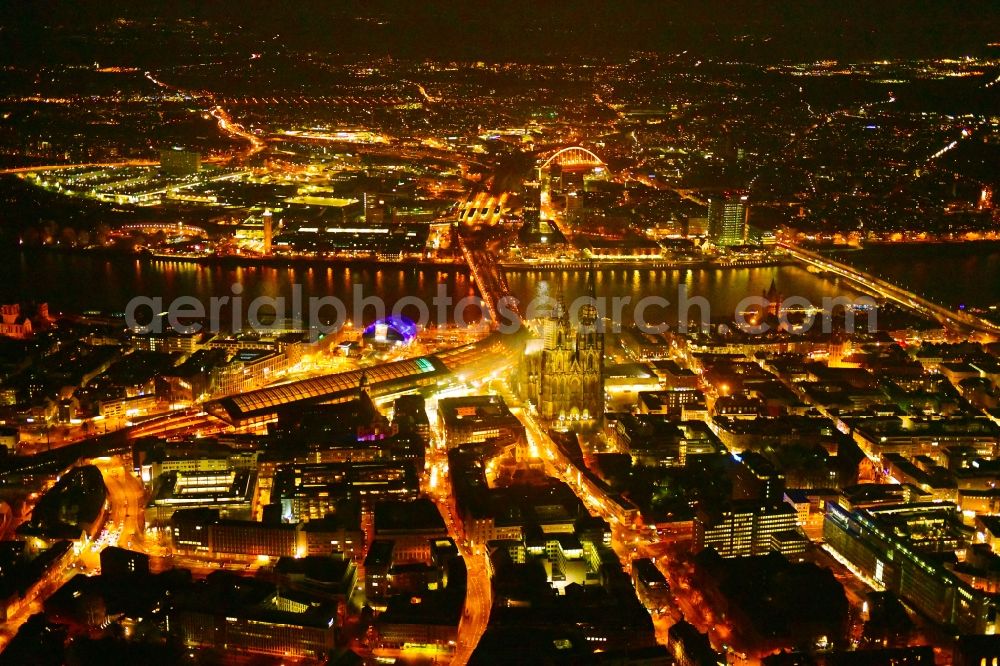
{"type": "Point", "coordinates": [952, 273]}
{"type": "Point", "coordinates": [78, 282]}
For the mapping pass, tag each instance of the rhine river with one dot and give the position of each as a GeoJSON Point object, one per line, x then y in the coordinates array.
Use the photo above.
{"type": "Point", "coordinates": [951, 273]}
{"type": "Point", "coordinates": [78, 282]}
{"type": "Point", "coordinates": [722, 288]}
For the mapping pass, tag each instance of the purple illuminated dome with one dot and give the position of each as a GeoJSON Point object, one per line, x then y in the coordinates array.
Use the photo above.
{"type": "Point", "coordinates": [390, 331]}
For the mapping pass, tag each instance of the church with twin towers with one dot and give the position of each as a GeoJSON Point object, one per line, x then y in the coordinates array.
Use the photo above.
{"type": "Point", "coordinates": [562, 370]}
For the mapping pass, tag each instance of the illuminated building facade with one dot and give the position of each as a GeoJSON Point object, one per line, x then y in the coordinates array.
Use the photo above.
{"type": "Point", "coordinates": [746, 529]}
{"type": "Point", "coordinates": [255, 618]}
{"type": "Point", "coordinates": [16, 324]}
{"type": "Point", "coordinates": [563, 373]}
{"type": "Point", "coordinates": [268, 221]}
{"type": "Point", "coordinates": [179, 162]}
{"type": "Point", "coordinates": [126, 407]}
{"type": "Point", "coordinates": [479, 418]}
{"type": "Point", "coordinates": [249, 369]}
{"type": "Point", "coordinates": [900, 547]}
{"type": "Point", "coordinates": [201, 531]}
{"type": "Point", "coordinates": [229, 491]}
{"type": "Point", "coordinates": [311, 491]}
{"type": "Point", "coordinates": [247, 537]}
{"type": "Point", "coordinates": [412, 526]}
{"type": "Point", "coordinates": [656, 440]}
{"type": "Point", "coordinates": [727, 219]}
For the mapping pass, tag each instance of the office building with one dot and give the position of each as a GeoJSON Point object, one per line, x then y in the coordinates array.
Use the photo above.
{"type": "Point", "coordinates": [412, 525]}
{"type": "Point", "coordinates": [248, 369]}
{"type": "Point", "coordinates": [746, 529]}
{"type": "Point", "coordinates": [903, 546]}
{"type": "Point", "coordinates": [656, 440]}
{"type": "Point", "coordinates": [230, 491]}
{"type": "Point", "coordinates": [331, 579]}
{"type": "Point", "coordinates": [430, 621]}
{"type": "Point", "coordinates": [338, 534]}
{"type": "Point", "coordinates": [377, 565]}
{"type": "Point", "coordinates": [202, 531]}
{"type": "Point", "coordinates": [247, 615]}
{"type": "Point", "coordinates": [311, 491]}
{"type": "Point", "coordinates": [727, 219]}
{"type": "Point", "coordinates": [176, 161]}
{"type": "Point", "coordinates": [409, 416]}
{"type": "Point", "coordinates": [477, 419]}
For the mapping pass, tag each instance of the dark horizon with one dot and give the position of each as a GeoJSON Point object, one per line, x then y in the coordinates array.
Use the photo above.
{"type": "Point", "coordinates": [745, 30]}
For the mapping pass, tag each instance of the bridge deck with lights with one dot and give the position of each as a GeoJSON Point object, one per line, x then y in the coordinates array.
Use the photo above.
{"type": "Point", "coordinates": [960, 322]}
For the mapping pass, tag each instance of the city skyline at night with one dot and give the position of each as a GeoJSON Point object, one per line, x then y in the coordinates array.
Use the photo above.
{"type": "Point", "coordinates": [500, 333]}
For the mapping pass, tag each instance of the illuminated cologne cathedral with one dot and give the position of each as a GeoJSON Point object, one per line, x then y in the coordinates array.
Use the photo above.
{"type": "Point", "coordinates": [562, 373]}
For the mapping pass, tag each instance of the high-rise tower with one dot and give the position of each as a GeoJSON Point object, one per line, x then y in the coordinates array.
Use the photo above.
{"type": "Point", "coordinates": [727, 219]}
{"type": "Point", "coordinates": [268, 221]}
